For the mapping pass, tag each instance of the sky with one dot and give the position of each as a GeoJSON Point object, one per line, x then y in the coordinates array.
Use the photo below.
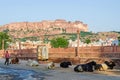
{"type": "Point", "coordinates": [99, 15]}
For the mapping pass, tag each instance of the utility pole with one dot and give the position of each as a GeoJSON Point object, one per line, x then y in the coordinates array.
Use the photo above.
{"type": "Point", "coordinates": [78, 35]}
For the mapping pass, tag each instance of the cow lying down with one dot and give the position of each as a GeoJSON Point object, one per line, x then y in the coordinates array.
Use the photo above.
{"type": "Point", "coordinates": [105, 66]}
{"type": "Point", "coordinates": [65, 64]}
{"type": "Point", "coordinates": [32, 63]}
{"type": "Point", "coordinates": [88, 67]}
{"type": "Point", "coordinates": [51, 65]}
{"type": "Point", "coordinates": [14, 60]}
{"type": "Point", "coordinates": [92, 66]}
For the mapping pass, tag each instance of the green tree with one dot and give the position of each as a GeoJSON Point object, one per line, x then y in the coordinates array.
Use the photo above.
{"type": "Point", "coordinates": [59, 42]}
{"type": "Point", "coordinates": [73, 37]}
{"type": "Point", "coordinates": [6, 30]}
{"type": "Point", "coordinates": [87, 41]}
{"type": "Point", "coordinates": [83, 34]}
{"type": "Point", "coordinates": [4, 39]}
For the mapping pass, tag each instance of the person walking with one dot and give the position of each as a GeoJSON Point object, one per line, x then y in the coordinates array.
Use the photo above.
{"type": "Point", "coordinates": [7, 56]}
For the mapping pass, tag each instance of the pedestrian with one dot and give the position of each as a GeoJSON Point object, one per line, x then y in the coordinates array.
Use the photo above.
{"type": "Point", "coordinates": [7, 56]}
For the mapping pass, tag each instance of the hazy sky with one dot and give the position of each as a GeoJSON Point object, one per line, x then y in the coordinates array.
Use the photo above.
{"type": "Point", "coordinates": [100, 15]}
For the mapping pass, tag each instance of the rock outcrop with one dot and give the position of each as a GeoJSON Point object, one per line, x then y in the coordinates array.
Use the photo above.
{"type": "Point", "coordinates": [45, 27]}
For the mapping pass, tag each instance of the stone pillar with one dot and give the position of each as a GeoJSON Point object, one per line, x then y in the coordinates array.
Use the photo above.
{"type": "Point", "coordinates": [19, 47]}
{"type": "Point", "coordinates": [78, 35]}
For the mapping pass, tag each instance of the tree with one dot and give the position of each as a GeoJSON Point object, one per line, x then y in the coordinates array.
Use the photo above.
{"type": "Point", "coordinates": [73, 37]}
{"type": "Point", "coordinates": [87, 41]}
{"type": "Point", "coordinates": [4, 39]}
{"type": "Point", "coordinates": [59, 42]}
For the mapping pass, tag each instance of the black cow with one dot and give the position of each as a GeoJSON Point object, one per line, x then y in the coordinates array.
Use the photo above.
{"type": "Point", "coordinates": [65, 64]}
{"type": "Point", "coordinates": [104, 66]}
{"type": "Point", "coordinates": [88, 67]}
{"type": "Point", "coordinates": [110, 64]}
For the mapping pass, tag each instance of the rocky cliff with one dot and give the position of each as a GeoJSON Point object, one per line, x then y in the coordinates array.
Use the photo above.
{"type": "Point", "coordinates": [45, 27]}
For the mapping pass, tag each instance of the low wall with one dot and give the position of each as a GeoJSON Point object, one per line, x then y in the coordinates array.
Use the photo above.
{"type": "Point", "coordinates": [59, 54]}
{"type": "Point", "coordinates": [85, 54]}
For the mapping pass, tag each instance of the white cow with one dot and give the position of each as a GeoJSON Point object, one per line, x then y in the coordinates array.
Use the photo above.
{"type": "Point", "coordinates": [32, 63]}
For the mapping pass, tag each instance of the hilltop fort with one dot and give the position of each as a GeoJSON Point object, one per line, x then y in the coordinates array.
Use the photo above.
{"type": "Point", "coordinates": [28, 29]}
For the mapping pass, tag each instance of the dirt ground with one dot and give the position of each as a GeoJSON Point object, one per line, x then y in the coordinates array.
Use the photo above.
{"type": "Point", "coordinates": [42, 73]}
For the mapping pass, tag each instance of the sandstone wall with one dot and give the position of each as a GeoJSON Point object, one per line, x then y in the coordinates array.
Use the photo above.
{"type": "Point", "coordinates": [85, 54]}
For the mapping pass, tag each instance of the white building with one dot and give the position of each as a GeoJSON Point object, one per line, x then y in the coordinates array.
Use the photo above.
{"type": "Point", "coordinates": [115, 42]}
